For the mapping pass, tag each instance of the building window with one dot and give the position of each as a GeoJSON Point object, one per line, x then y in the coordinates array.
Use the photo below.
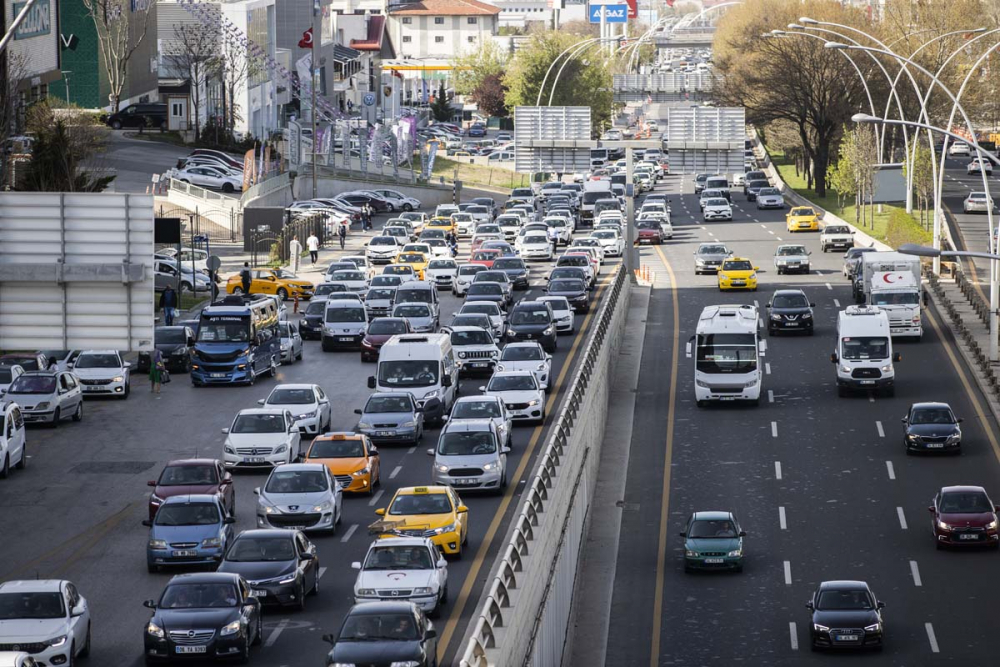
{"type": "Point", "coordinates": [472, 38]}
{"type": "Point", "coordinates": [473, 20]}
{"type": "Point", "coordinates": [407, 20]}
{"type": "Point", "coordinates": [407, 39]}
{"type": "Point", "coordinates": [439, 39]}
{"type": "Point", "coordinates": [438, 20]}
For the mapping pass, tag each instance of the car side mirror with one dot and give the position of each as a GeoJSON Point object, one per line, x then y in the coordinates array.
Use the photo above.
{"type": "Point", "coordinates": [380, 511]}
{"type": "Point", "coordinates": [743, 533]}
{"type": "Point", "coordinates": [833, 358]}
{"type": "Point", "coordinates": [880, 605]}
{"type": "Point", "coordinates": [151, 482]}
{"type": "Point", "coordinates": [461, 509]}
{"type": "Point", "coordinates": [190, 342]}
{"type": "Point", "coordinates": [505, 450]}
{"type": "Point", "coordinates": [225, 431]}
{"type": "Point", "coordinates": [446, 381]}
{"type": "Point", "coordinates": [149, 604]}
{"type": "Point", "coordinates": [812, 305]}
{"type": "Point", "coordinates": [430, 452]}
{"type": "Point", "coordinates": [683, 533]}
{"type": "Point", "coordinates": [905, 419]}
{"type": "Point", "coordinates": [897, 356]}
{"type": "Point", "coordinates": [431, 633]}
{"type": "Point", "coordinates": [810, 605]}
{"type": "Point", "coordinates": [256, 491]}
{"type": "Point", "coordinates": [442, 563]}
{"type": "Point", "coordinates": [358, 411]}
{"type": "Point", "coordinates": [371, 381]}
{"type": "Point", "coordinates": [147, 523]}
{"type": "Point", "coordinates": [307, 556]}
{"type": "Point", "coordinates": [230, 519]}
{"type": "Point", "coordinates": [78, 610]}
{"type": "Point", "coordinates": [930, 508]}
{"type": "Point", "coordinates": [329, 639]}
{"type": "Point", "coordinates": [261, 401]}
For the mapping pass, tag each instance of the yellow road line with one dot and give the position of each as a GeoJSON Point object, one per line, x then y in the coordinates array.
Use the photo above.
{"type": "Point", "coordinates": [980, 412]}
{"type": "Point", "coordinates": [508, 496]}
{"type": "Point", "coordinates": [661, 549]}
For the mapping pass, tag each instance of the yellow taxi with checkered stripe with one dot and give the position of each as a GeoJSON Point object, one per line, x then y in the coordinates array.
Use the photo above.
{"type": "Point", "coordinates": [435, 512]}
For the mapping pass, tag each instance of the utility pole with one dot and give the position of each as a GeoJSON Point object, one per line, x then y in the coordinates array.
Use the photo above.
{"type": "Point", "coordinates": [317, 28]}
{"type": "Point", "coordinates": [629, 216]}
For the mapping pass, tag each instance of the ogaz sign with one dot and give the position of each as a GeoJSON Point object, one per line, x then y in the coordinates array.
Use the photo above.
{"type": "Point", "coordinates": [613, 13]}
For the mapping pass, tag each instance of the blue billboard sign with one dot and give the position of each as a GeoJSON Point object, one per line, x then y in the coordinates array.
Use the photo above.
{"type": "Point", "coordinates": [615, 13]}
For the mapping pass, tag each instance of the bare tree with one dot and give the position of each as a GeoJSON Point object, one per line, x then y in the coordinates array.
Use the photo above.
{"type": "Point", "coordinates": [118, 38]}
{"type": "Point", "coordinates": [13, 69]}
{"type": "Point", "coordinates": [235, 67]}
{"type": "Point", "coordinates": [195, 55]}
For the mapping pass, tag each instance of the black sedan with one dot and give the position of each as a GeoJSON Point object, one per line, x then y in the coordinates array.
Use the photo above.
{"type": "Point", "coordinates": [533, 320]}
{"type": "Point", "coordinates": [515, 269]}
{"type": "Point", "coordinates": [931, 427]}
{"type": "Point", "coordinates": [176, 345]}
{"type": "Point", "coordinates": [356, 199]}
{"type": "Point", "coordinates": [845, 614]}
{"type": "Point", "coordinates": [281, 566]}
{"type": "Point", "coordinates": [575, 291]}
{"type": "Point", "coordinates": [487, 292]}
{"type": "Point", "coordinates": [208, 615]}
{"type": "Point", "coordinates": [311, 324]}
{"type": "Point", "coordinates": [790, 310]}
{"type": "Point", "coordinates": [384, 633]}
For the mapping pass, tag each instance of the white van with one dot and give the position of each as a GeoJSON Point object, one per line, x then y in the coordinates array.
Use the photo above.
{"type": "Point", "coordinates": [863, 356]}
{"type": "Point", "coordinates": [344, 324]}
{"type": "Point", "coordinates": [423, 365]}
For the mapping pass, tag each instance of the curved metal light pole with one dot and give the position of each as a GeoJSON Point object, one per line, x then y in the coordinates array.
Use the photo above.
{"type": "Point", "coordinates": [541, 88]}
{"type": "Point", "coordinates": [566, 61]}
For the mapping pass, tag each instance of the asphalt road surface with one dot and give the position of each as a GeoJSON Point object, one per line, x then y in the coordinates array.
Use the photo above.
{"type": "Point", "coordinates": [821, 484]}
{"type": "Point", "coordinates": [76, 510]}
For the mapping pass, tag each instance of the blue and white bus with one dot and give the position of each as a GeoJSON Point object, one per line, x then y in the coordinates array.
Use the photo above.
{"type": "Point", "coordinates": [238, 339]}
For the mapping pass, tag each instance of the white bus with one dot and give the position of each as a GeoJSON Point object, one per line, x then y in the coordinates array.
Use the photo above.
{"type": "Point", "coordinates": [726, 353]}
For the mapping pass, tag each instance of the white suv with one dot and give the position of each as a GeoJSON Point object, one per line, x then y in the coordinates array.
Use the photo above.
{"type": "Point", "coordinates": [102, 372]}
{"type": "Point", "coordinates": [475, 349]}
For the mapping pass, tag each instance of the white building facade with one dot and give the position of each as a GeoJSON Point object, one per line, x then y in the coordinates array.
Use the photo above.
{"type": "Point", "coordinates": [441, 29]}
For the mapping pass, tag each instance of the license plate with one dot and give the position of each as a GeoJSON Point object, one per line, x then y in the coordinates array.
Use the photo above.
{"type": "Point", "coordinates": [219, 375]}
{"type": "Point", "coordinates": [86, 388]}
{"type": "Point", "coordinates": [791, 324]}
{"type": "Point", "coordinates": [465, 482]}
{"type": "Point", "coordinates": [253, 459]}
{"type": "Point", "coordinates": [968, 536]}
{"type": "Point", "coordinates": [868, 382]}
{"type": "Point", "coordinates": [848, 638]}
{"type": "Point", "coordinates": [185, 554]}
{"type": "Point", "coordinates": [259, 593]}
{"type": "Point", "coordinates": [190, 649]}
{"type": "Point", "coordinates": [739, 282]}
{"type": "Point", "coordinates": [713, 561]}
{"type": "Point", "coordinates": [935, 445]}
{"type": "Point", "coordinates": [478, 364]}
{"type": "Point", "coordinates": [345, 339]}
{"type": "Point", "coordinates": [794, 265]}
{"type": "Point", "coordinates": [384, 434]}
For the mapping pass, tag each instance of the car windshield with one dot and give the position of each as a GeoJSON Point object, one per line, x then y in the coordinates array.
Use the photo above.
{"type": "Point", "coordinates": [188, 476]}
{"type": "Point", "coordinates": [484, 256]}
{"type": "Point", "coordinates": [198, 596]}
{"type": "Point", "coordinates": [932, 416]}
{"type": "Point", "coordinates": [412, 310]}
{"type": "Point", "coordinates": [713, 250]}
{"type": "Point", "coordinates": [802, 211]}
{"type": "Point", "coordinates": [386, 280]}
{"type": "Point", "coordinates": [475, 410]}
{"type": "Point", "coordinates": [726, 353]}
{"type": "Point", "coordinates": [315, 308]}
{"type": "Point", "coordinates": [474, 337]}
{"type": "Point", "coordinates": [742, 265]}
{"type": "Point", "coordinates": [794, 250]}
{"type": "Point", "coordinates": [522, 353]}
{"type": "Point", "coordinates": [187, 514]}
{"type": "Point", "coordinates": [558, 303]}
{"type": "Point", "coordinates": [529, 316]}
{"type": "Point", "coordinates": [470, 270]}
{"type": "Point", "coordinates": [385, 326]}
{"type": "Point", "coordinates": [382, 240]}
{"type": "Point", "coordinates": [895, 298]}
{"type": "Point", "coordinates": [789, 301]}
{"type": "Point", "coordinates": [512, 383]}
{"type": "Point", "coordinates": [345, 314]}
{"type": "Point", "coordinates": [717, 202]}
{"type": "Point", "coordinates": [259, 423]}
{"type": "Point", "coordinates": [380, 294]}
{"type": "Point", "coordinates": [386, 404]}
{"type": "Point", "coordinates": [764, 192]}
{"type": "Point", "coordinates": [408, 373]}
{"type": "Point", "coordinates": [471, 320]}
{"type": "Point", "coordinates": [442, 264]}
{"type": "Point", "coordinates": [170, 336]}
{"type": "Point", "coordinates": [712, 528]}
{"type": "Point", "coordinates": [965, 502]}
{"type": "Point", "coordinates": [296, 481]}
{"type": "Point", "coordinates": [230, 330]}
{"type": "Point", "coordinates": [370, 627]}
{"type": "Point", "coordinates": [337, 449]}
{"type": "Point", "coordinates": [353, 276]}
{"type": "Point", "coordinates": [420, 503]}
{"type": "Point", "coordinates": [567, 286]}
{"type": "Point", "coordinates": [536, 238]}
{"type": "Point", "coordinates": [576, 260]}
{"type": "Point", "coordinates": [33, 384]}
{"type": "Point", "coordinates": [489, 289]}
{"type": "Point", "coordinates": [467, 443]}
{"type": "Point", "coordinates": [647, 224]}
{"type": "Point", "coordinates": [836, 230]}
{"type": "Point", "coordinates": [399, 558]}
{"type": "Point", "coordinates": [18, 606]}
{"type": "Point", "coordinates": [302, 396]}
{"type": "Point", "coordinates": [865, 347]}
{"type": "Point", "coordinates": [6, 374]}
{"type": "Point", "coordinates": [844, 600]}
{"type": "Point", "coordinates": [249, 549]}
{"type": "Point", "coordinates": [508, 263]}
{"type": "Point", "coordinates": [326, 289]}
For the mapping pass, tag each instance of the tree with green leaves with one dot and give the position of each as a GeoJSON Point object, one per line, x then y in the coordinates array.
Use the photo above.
{"type": "Point", "coordinates": [60, 150]}
{"type": "Point", "coordinates": [441, 106]}
{"type": "Point", "coordinates": [473, 67]}
{"type": "Point", "coordinates": [923, 179]}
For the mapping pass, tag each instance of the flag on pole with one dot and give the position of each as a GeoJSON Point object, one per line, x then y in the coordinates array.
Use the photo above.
{"type": "Point", "coordinates": [307, 39]}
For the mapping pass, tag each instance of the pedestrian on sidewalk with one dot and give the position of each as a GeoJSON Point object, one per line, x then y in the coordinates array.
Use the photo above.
{"type": "Point", "coordinates": [366, 218]}
{"type": "Point", "coordinates": [156, 368]}
{"type": "Point", "coordinates": [246, 278]}
{"type": "Point", "coordinates": [295, 252]}
{"type": "Point", "coordinates": [342, 235]}
{"type": "Point", "coordinates": [313, 244]}
{"type": "Point", "coordinates": [168, 304]}
{"type": "Point", "coordinates": [554, 238]}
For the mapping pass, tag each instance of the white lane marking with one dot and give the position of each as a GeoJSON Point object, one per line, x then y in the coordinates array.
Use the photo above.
{"type": "Point", "coordinates": [756, 304]}
{"type": "Point", "coordinates": [774, 429]}
{"type": "Point", "coordinates": [777, 469]}
{"type": "Point", "coordinates": [395, 471]}
{"type": "Point", "coordinates": [829, 286]}
{"type": "Point", "coordinates": [374, 499]}
{"type": "Point", "coordinates": [411, 449]}
{"type": "Point", "coordinates": [881, 433]}
{"type": "Point", "coordinates": [781, 518]}
{"type": "Point", "coordinates": [836, 303]}
{"type": "Point", "coordinates": [915, 571]}
{"type": "Point", "coordinates": [767, 368]}
{"type": "Point", "coordinates": [763, 226]}
{"type": "Point", "coordinates": [902, 518]}
{"type": "Point", "coordinates": [793, 634]}
{"type": "Point", "coordinates": [871, 398]}
{"type": "Point", "coordinates": [770, 232]}
{"type": "Point", "coordinates": [890, 469]}
{"type": "Point", "coordinates": [932, 638]}
{"type": "Point", "coordinates": [322, 571]}
{"type": "Point", "coordinates": [788, 573]}
{"type": "Point", "coordinates": [763, 343]}
{"type": "Point", "coordinates": [779, 238]}
{"type": "Point", "coordinates": [278, 629]}
{"type": "Point", "coordinates": [350, 531]}
{"type": "Point", "coordinates": [770, 396]}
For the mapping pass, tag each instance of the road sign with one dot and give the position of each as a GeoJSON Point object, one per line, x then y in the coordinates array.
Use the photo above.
{"type": "Point", "coordinates": [614, 13]}
{"type": "Point", "coordinates": [213, 262]}
{"type": "Point", "coordinates": [369, 99]}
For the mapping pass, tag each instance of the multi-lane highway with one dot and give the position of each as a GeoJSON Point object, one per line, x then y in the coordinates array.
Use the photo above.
{"type": "Point", "coordinates": [75, 512]}
{"type": "Point", "coordinates": [821, 484]}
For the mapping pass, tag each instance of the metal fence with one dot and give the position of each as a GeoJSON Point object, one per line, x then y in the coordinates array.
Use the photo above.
{"type": "Point", "coordinates": [219, 225]}
{"type": "Point", "coordinates": [268, 246]}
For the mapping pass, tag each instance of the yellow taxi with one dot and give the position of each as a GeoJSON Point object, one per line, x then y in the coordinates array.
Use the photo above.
{"type": "Point", "coordinates": [737, 273]}
{"type": "Point", "coordinates": [283, 283]}
{"type": "Point", "coordinates": [415, 260]}
{"type": "Point", "coordinates": [802, 219]}
{"type": "Point", "coordinates": [445, 224]}
{"type": "Point", "coordinates": [426, 511]}
{"type": "Point", "coordinates": [351, 458]}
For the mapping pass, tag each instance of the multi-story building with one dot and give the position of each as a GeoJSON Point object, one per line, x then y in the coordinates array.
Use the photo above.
{"type": "Point", "coordinates": [33, 53]}
{"type": "Point", "coordinates": [441, 29]}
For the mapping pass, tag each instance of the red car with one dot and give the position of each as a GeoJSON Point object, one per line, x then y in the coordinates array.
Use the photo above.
{"type": "Point", "coordinates": [188, 476]}
{"type": "Point", "coordinates": [380, 330]}
{"type": "Point", "coordinates": [964, 516]}
{"type": "Point", "coordinates": [649, 232]}
{"type": "Point", "coordinates": [485, 257]}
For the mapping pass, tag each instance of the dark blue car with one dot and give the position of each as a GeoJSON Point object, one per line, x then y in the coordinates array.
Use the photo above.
{"type": "Point", "coordinates": [477, 130]}
{"type": "Point", "coordinates": [188, 530]}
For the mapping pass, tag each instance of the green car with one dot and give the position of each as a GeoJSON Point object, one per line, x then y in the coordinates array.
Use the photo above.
{"type": "Point", "coordinates": [713, 541]}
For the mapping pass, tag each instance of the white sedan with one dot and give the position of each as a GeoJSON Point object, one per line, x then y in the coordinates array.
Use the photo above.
{"type": "Point", "coordinates": [529, 357]}
{"type": "Point", "coordinates": [210, 177]}
{"type": "Point", "coordinates": [535, 246]}
{"type": "Point", "coordinates": [977, 164]}
{"type": "Point", "coordinates": [520, 393]}
{"type": "Point", "coordinates": [390, 561]}
{"type": "Point", "coordinates": [442, 273]}
{"type": "Point", "coordinates": [261, 438]}
{"type": "Point", "coordinates": [562, 312]}
{"type": "Point", "coordinates": [717, 209]}
{"type": "Point", "coordinates": [611, 241]}
{"type": "Point", "coordinates": [308, 404]}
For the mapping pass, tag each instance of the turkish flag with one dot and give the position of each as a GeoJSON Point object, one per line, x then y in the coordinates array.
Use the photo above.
{"type": "Point", "coordinates": [633, 8]}
{"type": "Point", "coordinates": [307, 39]}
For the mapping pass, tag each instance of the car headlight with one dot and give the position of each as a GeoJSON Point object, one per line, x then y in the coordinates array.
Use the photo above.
{"type": "Point", "coordinates": [690, 554]}
{"type": "Point", "coordinates": [118, 378]}
{"type": "Point", "coordinates": [491, 466]}
{"type": "Point", "coordinates": [887, 368]}
{"type": "Point", "coordinates": [450, 528]}
{"type": "Point", "coordinates": [307, 415]}
{"type": "Point", "coordinates": [954, 437]}
{"type": "Point", "coordinates": [703, 384]}
{"type": "Point", "coordinates": [363, 471]}
{"type": "Point", "coordinates": [230, 629]}
{"type": "Point", "coordinates": [845, 369]}
{"type": "Point", "coordinates": [155, 630]}
{"type": "Point", "coordinates": [229, 450]}
{"type": "Point", "coordinates": [751, 383]}
{"type": "Point", "coordinates": [913, 438]}
{"type": "Point", "coordinates": [807, 316]}
{"type": "Point", "coordinates": [440, 467]}
{"type": "Point", "coordinates": [533, 401]}
{"type": "Point", "coordinates": [723, 276]}
{"type": "Point", "coordinates": [423, 591]}
{"type": "Point", "coordinates": [753, 276]}
{"type": "Point", "coordinates": [874, 627]}
{"type": "Point", "coordinates": [281, 449]}
{"type": "Point", "coordinates": [365, 592]}
{"type": "Point", "coordinates": [462, 355]}
{"type": "Point", "coordinates": [992, 525]}
{"type": "Point", "coordinates": [820, 628]}
{"type": "Point", "coordinates": [157, 544]}
{"type": "Point", "coordinates": [323, 507]}
{"type": "Point", "coordinates": [433, 393]}
{"type": "Point", "coordinates": [735, 553]}
{"type": "Point", "coordinates": [776, 317]}
{"type": "Point", "coordinates": [42, 406]}
{"type": "Point", "coordinates": [211, 542]}
{"type": "Point", "coordinates": [270, 509]}
{"type": "Point", "coordinates": [155, 499]}
{"type": "Point", "coordinates": [541, 367]}
{"type": "Point", "coordinates": [409, 424]}
{"type": "Point", "coordinates": [284, 347]}
{"type": "Point", "coordinates": [287, 579]}
{"type": "Point", "coordinates": [943, 526]}
{"type": "Point", "coordinates": [547, 331]}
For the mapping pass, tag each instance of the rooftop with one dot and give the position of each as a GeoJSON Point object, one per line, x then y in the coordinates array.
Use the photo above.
{"type": "Point", "coordinates": [445, 8]}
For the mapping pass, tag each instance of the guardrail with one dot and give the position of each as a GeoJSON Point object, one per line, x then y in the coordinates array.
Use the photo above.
{"type": "Point", "coordinates": [523, 617]}
{"type": "Point", "coordinates": [265, 187]}
{"type": "Point", "coordinates": [199, 193]}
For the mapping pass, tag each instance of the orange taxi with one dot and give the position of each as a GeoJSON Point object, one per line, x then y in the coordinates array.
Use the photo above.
{"type": "Point", "coordinates": [351, 458]}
